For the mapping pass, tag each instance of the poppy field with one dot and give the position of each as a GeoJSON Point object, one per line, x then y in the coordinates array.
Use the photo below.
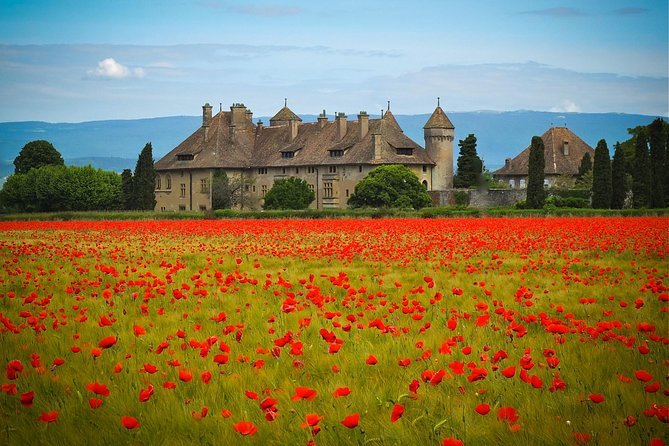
{"type": "Point", "coordinates": [509, 331]}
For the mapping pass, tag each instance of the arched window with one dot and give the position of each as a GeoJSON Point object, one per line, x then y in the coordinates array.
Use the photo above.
{"type": "Point", "coordinates": [168, 180]}
{"type": "Point", "coordinates": [157, 182]}
{"type": "Point", "coordinates": [425, 184]}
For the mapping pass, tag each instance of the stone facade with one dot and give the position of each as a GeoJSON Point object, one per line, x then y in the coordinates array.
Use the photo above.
{"type": "Point", "coordinates": [332, 156]}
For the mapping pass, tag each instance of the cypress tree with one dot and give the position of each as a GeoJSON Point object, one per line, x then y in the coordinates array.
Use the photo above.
{"type": "Point", "coordinates": [144, 195]}
{"type": "Point", "coordinates": [618, 178]}
{"type": "Point", "coordinates": [641, 172]}
{"type": "Point", "coordinates": [601, 177]}
{"type": "Point", "coordinates": [657, 142]}
{"type": "Point", "coordinates": [470, 166]}
{"type": "Point", "coordinates": [585, 166]}
{"type": "Point", "coordinates": [127, 189]}
{"type": "Point", "coordinates": [536, 195]}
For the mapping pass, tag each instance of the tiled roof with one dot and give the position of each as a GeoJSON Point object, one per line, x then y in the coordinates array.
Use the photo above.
{"type": "Point", "coordinates": [556, 162]}
{"type": "Point", "coordinates": [285, 114]}
{"type": "Point", "coordinates": [438, 120]}
{"type": "Point", "coordinates": [254, 146]}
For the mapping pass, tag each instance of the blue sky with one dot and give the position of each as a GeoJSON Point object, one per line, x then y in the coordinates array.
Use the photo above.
{"type": "Point", "coordinates": [80, 60]}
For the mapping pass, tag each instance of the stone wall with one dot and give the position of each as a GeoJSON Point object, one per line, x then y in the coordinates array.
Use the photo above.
{"type": "Point", "coordinates": [479, 199]}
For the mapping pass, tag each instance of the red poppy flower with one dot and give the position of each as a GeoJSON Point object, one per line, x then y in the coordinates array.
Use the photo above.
{"type": "Point", "coordinates": [341, 391]}
{"type": "Point", "coordinates": [98, 389]}
{"type": "Point", "coordinates": [582, 437]}
{"type": "Point", "coordinates": [507, 414]}
{"type": "Point", "coordinates": [312, 419]}
{"type": "Point", "coordinates": [482, 409]}
{"type": "Point", "coordinates": [245, 428]}
{"type": "Point", "coordinates": [14, 367]}
{"type": "Point", "coordinates": [596, 398]}
{"type": "Point", "coordinates": [145, 394]}
{"type": "Point", "coordinates": [509, 371]}
{"type": "Point", "coordinates": [48, 417]}
{"type": "Point", "coordinates": [450, 441]}
{"type": "Point", "coordinates": [138, 330]}
{"type": "Point", "coordinates": [150, 368]}
{"type": "Point", "coordinates": [129, 422]}
{"type": "Point", "coordinates": [225, 413]}
{"type": "Point", "coordinates": [185, 375]}
{"type": "Point", "coordinates": [95, 403]}
{"type": "Point", "coordinates": [643, 375]}
{"type": "Point", "coordinates": [169, 385]}
{"type": "Point", "coordinates": [371, 360]}
{"type": "Point", "coordinates": [351, 421]}
{"type": "Point", "coordinates": [107, 342]}
{"type": "Point", "coordinates": [27, 398]}
{"type": "Point", "coordinates": [396, 414]}
{"type": "Point", "coordinates": [251, 395]}
{"type": "Point", "coordinates": [304, 393]}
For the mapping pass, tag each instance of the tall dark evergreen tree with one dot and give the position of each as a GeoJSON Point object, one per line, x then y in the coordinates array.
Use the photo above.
{"type": "Point", "coordinates": [601, 177]}
{"type": "Point", "coordinates": [470, 166]}
{"type": "Point", "coordinates": [641, 172]}
{"type": "Point", "coordinates": [536, 195]}
{"type": "Point", "coordinates": [585, 166]}
{"type": "Point", "coordinates": [657, 140]}
{"type": "Point", "coordinates": [127, 189]}
{"type": "Point", "coordinates": [143, 183]}
{"type": "Point", "coordinates": [618, 178]}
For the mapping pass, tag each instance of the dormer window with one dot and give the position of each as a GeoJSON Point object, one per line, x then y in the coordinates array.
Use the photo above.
{"type": "Point", "coordinates": [404, 151]}
{"type": "Point", "coordinates": [337, 153]}
{"type": "Point", "coordinates": [289, 154]}
{"type": "Point", "coordinates": [185, 157]}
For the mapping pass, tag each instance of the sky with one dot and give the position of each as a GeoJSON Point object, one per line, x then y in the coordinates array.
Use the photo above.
{"type": "Point", "coordinates": [82, 60]}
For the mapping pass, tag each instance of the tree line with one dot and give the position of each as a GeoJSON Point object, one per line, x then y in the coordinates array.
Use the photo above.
{"type": "Point", "coordinates": [43, 183]}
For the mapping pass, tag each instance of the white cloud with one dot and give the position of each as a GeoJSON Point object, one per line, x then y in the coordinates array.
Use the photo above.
{"type": "Point", "coordinates": [568, 106]}
{"type": "Point", "coordinates": [110, 69]}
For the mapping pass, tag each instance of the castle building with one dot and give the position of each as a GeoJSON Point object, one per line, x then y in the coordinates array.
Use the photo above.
{"type": "Point", "coordinates": [332, 156]}
{"type": "Point", "coordinates": [563, 152]}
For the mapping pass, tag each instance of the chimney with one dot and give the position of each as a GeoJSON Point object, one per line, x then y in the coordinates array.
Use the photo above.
{"type": "Point", "coordinates": [507, 162]}
{"type": "Point", "coordinates": [322, 120]}
{"type": "Point", "coordinates": [292, 125]}
{"type": "Point", "coordinates": [249, 115]}
{"type": "Point", "coordinates": [376, 138]}
{"type": "Point", "coordinates": [341, 125]}
{"type": "Point", "coordinates": [259, 126]}
{"type": "Point", "coordinates": [238, 115]}
{"type": "Point", "coordinates": [206, 119]}
{"type": "Point", "coordinates": [206, 115]}
{"type": "Point", "coordinates": [565, 148]}
{"type": "Point", "coordinates": [363, 121]}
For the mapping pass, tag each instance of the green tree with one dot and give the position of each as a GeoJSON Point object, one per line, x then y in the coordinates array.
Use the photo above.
{"type": "Point", "coordinates": [127, 189]}
{"type": "Point", "coordinates": [585, 166]}
{"type": "Point", "coordinates": [221, 193]}
{"type": "Point", "coordinates": [144, 179]}
{"type": "Point", "coordinates": [641, 172]}
{"type": "Point", "coordinates": [470, 166]}
{"type": "Point", "coordinates": [618, 178]}
{"type": "Point", "coordinates": [391, 186]}
{"type": "Point", "coordinates": [601, 177]}
{"type": "Point", "coordinates": [657, 139]}
{"type": "Point", "coordinates": [536, 195]}
{"type": "Point", "coordinates": [289, 193]}
{"type": "Point", "coordinates": [37, 154]}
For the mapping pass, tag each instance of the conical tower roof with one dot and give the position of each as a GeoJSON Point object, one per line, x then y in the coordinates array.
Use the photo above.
{"type": "Point", "coordinates": [285, 114]}
{"type": "Point", "coordinates": [438, 120]}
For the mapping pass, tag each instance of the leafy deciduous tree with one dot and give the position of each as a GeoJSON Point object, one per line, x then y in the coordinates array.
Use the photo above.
{"type": "Point", "coordinates": [390, 186]}
{"type": "Point", "coordinates": [289, 193]}
{"type": "Point", "coordinates": [37, 154]}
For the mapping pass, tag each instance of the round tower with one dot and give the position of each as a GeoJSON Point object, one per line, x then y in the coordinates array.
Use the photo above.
{"type": "Point", "coordinates": [439, 133]}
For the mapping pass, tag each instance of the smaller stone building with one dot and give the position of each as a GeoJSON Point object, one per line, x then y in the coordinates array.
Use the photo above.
{"type": "Point", "coordinates": [563, 152]}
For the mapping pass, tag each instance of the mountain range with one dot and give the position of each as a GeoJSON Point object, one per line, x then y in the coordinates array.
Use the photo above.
{"type": "Point", "coordinates": [115, 144]}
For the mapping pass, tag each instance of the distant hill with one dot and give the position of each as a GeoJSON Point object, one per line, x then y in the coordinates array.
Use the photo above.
{"type": "Point", "coordinates": [115, 145]}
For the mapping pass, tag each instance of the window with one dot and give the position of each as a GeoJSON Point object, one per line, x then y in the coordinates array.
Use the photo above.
{"type": "Point", "coordinates": [204, 185]}
{"type": "Point", "coordinates": [332, 169]}
{"type": "Point", "coordinates": [297, 170]}
{"type": "Point", "coordinates": [203, 207]}
{"type": "Point", "coordinates": [522, 183]}
{"type": "Point", "coordinates": [346, 193]}
{"type": "Point", "coordinates": [327, 190]}
{"type": "Point", "coordinates": [311, 170]}
{"type": "Point", "coordinates": [158, 182]}
{"type": "Point", "coordinates": [263, 190]}
{"type": "Point", "coordinates": [405, 151]}
{"type": "Point", "coordinates": [168, 180]}
{"type": "Point", "coordinates": [287, 154]}
{"type": "Point", "coordinates": [162, 208]}
{"type": "Point", "coordinates": [425, 184]}
{"type": "Point", "coordinates": [254, 188]}
{"type": "Point", "coordinates": [185, 157]}
{"type": "Point", "coordinates": [183, 190]}
{"type": "Point", "coordinates": [283, 171]}
{"type": "Point", "coordinates": [360, 169]}
{"type": "Point", "coordinates": [262, 171]}
{"type": "Point", "coordinates": [424, 168]}
{"type": "Point", "coordinates": [336, 153]}
{"type": "Point", "coordinates": [182, 207]}
{"type": "Point", "coordinates": [511, 183]}
{"type": "Point", "coordinates": [246, 188]}
{"type": "Point", "coordinates": [311, 187]}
